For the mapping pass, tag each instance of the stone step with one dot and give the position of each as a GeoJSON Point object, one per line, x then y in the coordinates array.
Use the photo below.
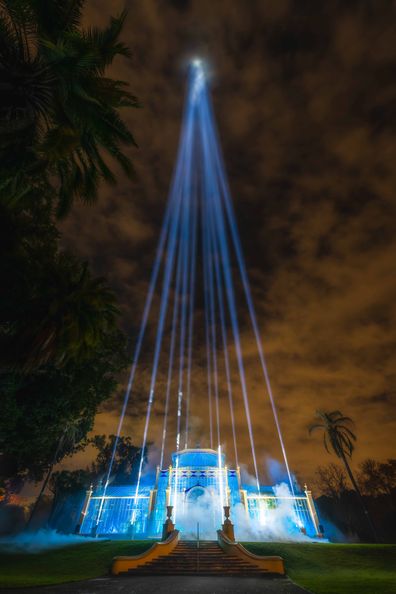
{"type": "Point", "coordinates": [197, 572]}
{"type": "Point", "coordinates": [214, 559]}
{"type": "Point", "coordinates": [189, 559]}
{"type": "Point", "coordinates": [193, 553]}
{"type": "Point", "coordinates": [194, 545]}
{"type": "Point", "coordinates": [190, 549]}
{"type": "Point", "coordinates": [203, 551]}
{"type": "Point", "coordinates": [195, 562]}
{"type": "Point", "coordinates": [198, 569]}
{"type": "Point", "coordinates": [217, 559]}
{"type": "Point", "coordinates": [201, 573]}
{"type": "Point", "coordinates": [176, 561]}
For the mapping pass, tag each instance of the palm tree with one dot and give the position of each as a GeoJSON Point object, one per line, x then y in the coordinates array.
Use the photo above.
{"type": "Point", "coordinates": [339, 438]}
{"type": "Point", "coordinates": [59, 112]}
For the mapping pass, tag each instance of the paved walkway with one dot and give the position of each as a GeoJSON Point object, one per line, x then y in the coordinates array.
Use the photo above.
{"type": "Point", "coordinates": [169, 585]}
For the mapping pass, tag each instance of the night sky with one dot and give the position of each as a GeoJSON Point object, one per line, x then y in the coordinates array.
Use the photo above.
{"type": "Point", "coordinates": [304, 97]}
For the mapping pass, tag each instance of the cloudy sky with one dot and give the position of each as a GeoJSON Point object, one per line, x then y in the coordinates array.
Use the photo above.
{"type": "Point", "coordinates": [303, 93]}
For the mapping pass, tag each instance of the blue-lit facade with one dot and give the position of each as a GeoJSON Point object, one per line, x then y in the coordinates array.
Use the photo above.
{"type": "Point", "coordinates": [197, 484]}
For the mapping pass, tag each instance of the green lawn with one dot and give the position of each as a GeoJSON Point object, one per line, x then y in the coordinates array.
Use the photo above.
{"type": "Point", "coordinates": [321, 568]}
{"type": "Point", "coordinates": [66, 564]}
{"type": "Point", "coordinates": [336, 568]}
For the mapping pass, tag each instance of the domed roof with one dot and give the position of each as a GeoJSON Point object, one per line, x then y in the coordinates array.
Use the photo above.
{"type": "Point", "coordinates": [197, 457]}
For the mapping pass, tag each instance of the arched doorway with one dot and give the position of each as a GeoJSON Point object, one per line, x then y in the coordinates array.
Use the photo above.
{"type": "Point", "coordinates": [198, 509]}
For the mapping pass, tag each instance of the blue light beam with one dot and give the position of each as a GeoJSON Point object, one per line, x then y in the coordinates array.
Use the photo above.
{"type": "Point", "coordinates": [226, 195]}
{"type": "Point", "coordinates": [221, 242]}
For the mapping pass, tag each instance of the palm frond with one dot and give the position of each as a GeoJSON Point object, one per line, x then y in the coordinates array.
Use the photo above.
{"type": "Point", "coordinates": [325, 443]}
{"type": "Point", "coordinates": [334, 414]}
{"type": "Point", "coordinates": [345, 420]}
{"type": "Point", "coordinates": [337, 436]}
{"type": "Point", "coordinates": [315, 426]}
{"type": "Point", "coordinates": [346, 444]}
{"type": "Point", "coordinates": [106, 172]}
{"type": "Point", "coordinates": [20, 16]}
{"type": "Point", "coordinates": [348, 431]}
{"type": "Point", "coordinates": [105, 41]}
{"type": "Point", "coordinates": [55, 18]}
{"type": "Point", "coordinates": [57, 106]}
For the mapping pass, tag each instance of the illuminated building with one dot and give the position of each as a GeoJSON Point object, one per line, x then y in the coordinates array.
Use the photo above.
{"type": "Point", "coordinates": [201, 483]}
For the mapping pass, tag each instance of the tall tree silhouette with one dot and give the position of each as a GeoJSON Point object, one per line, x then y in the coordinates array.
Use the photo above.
{"type": "Point", "coordinates": [338, 438]}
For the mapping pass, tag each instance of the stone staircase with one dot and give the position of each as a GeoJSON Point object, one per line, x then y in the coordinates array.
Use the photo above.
{"type": "Point", "coordinates": [190, 559]}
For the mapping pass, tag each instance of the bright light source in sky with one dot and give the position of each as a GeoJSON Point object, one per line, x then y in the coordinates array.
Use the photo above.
{"type": "Point", "coordinates": [198, 77]}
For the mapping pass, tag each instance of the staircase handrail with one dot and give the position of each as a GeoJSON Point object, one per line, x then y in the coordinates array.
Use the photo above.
{"type": "Point", "coordinates": [123, 563]}
{"type": "Point", "coordinates": [270, 563]}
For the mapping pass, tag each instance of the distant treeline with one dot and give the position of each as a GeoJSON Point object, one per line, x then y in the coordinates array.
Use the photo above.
{"type": "Point", "coordinates": [339, 506]}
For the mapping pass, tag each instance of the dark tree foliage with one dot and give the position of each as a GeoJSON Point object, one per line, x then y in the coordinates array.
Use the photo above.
{"type": "Point", "coordinates": [126, 459]}
{"type": "Point", "coordinates": [36, 408]}
{"type": "Point", "coordinates": [125, 467]}
{"type": "Point", "coordinates": [378, 478]}
{"type": "Point", "coordinates": [59, 113]}
{"type": "Point", "coordinates": [339, 506]}
{"type": "Point", "coordinates": [60, 347]}
{"type": "Point", "coordinates": [331, 480]}
{"type": "Point", "coordinates": [51, 309]}
{"type": "Point", "coordinates": [64, 483]}
{"type": "Point", "coordinates": [69, 486]}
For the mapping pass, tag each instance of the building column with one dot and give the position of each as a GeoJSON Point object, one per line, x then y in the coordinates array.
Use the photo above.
{"type": "Point", "coordinates": [169, 487]}
{"type": "Point", "coordinates": [244, 500]}
{"type": "Point", "coordinates": [84, 510]}
{"type": "Point", "coordinates": [312, 510]}
{"type": "Point", "coordinates": [226, 487]}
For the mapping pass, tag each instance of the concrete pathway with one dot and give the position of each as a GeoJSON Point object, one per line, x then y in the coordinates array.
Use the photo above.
{"type": "Point", "coordinates": [168, 585]}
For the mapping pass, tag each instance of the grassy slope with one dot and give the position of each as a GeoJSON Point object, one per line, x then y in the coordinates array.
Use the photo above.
{"type": "Point", "coordinates": [323, 569]}
{"type": "Point", "coordinates": [77, 562]}
{"type": "Point", "coordinates": [337, 569]}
